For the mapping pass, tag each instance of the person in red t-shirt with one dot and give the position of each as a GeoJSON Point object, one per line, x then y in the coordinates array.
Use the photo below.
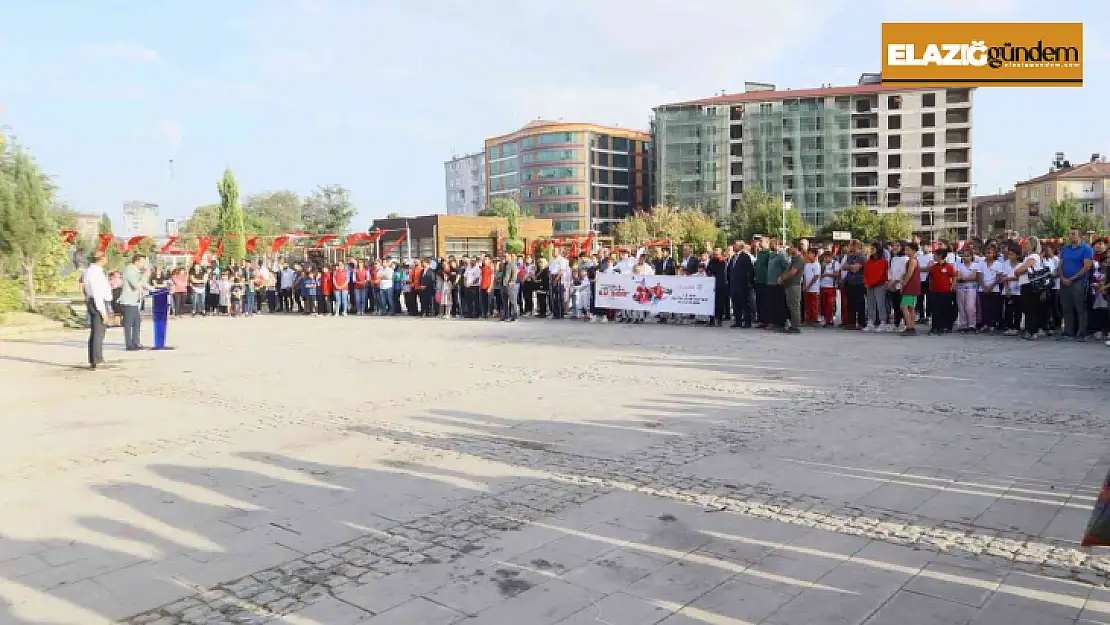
{"type": "Point", "coordinates": [359, 285]}
{"type": "Point", "coordinates": [942, 290]}
{"type": "Point", "coordinates": [340, 282]}
{"type": "Point", "coordinates": [874, 279]}
{"type": "Point", "coordinates": [323, 306]}
{"type": "Point", "coordinates": [486, 296]}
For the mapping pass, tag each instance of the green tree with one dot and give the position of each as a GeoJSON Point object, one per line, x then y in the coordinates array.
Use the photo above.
{"type": "Point", "coordinates": [230, 223]}
{"type": "Point", "coordinates": [682, 226]}
{"type": "Point", "coordinates": [105, 225]}
{"type": "Point", "coordinates": [25, 224]}
{"type": "Point", "coordinates": [1063, 216]}
{"type": "Point", "coordinates": [896, 225]}
{"type": "Point", "coordinates": [761, 213]}
{"type": "Point", "coordinates": [55, 254]}
{"type": "Point", "coordinates": [393, 216]}
{"type": "Point", "coordinates": [272, 210]}
{"type": "Point", "coordinates": [203, 221]}
{"type": "Point", "coordinates": [857, 220]}
{"type": "Point", "coordinates": [328, 210]}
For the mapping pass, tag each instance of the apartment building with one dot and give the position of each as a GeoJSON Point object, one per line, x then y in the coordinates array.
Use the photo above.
{"type": "Point", "coordinates": [1087, 184]}
{"type": "Point", "coordinates": [584, 177]}
{"type": "Point", "coordinates": [995, 215]}
{"type": "Point", "coordinates": [823, 149]}
{"type": "Point", "coordinates": [141, 218]}
{"type": "Point", "coordinates": [466, 184]}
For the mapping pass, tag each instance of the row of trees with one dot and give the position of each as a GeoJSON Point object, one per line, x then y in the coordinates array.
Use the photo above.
{"type": "Point", "coordinates": [328, 209]}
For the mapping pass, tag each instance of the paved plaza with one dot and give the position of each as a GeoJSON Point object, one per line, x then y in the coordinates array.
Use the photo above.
{"type": "Point", "coordinates": [320, 471]}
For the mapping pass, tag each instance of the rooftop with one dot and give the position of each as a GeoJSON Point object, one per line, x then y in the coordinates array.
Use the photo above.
{"type": "Point", "coordinates": [997, 197]}
{"type": "Point", "coordinates": [1086, 170]}
{"type": "Point", "coordinates": [540, 125]}
{"type": "Point", "coordinates": [785, 94]}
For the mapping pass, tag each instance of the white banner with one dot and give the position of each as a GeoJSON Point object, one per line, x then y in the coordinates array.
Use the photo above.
{"type": "Point", "coordinates": [685, 295]}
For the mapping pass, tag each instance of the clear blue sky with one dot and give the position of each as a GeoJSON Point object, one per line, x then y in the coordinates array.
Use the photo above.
{"type": "Point", "coordinates": [376, 94]}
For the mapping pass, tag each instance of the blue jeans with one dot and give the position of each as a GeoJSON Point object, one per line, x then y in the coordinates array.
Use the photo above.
{"type": "Point", "coordinates": [340, 299]}
{"type": "Point", "coordinates": [198, 303]}
{"type": "Point", "coordinates": [360, 299]}
{"type": "Point", "coordinates": [250, 303]}
{"type": "Point", "coordinates": [385, 301]}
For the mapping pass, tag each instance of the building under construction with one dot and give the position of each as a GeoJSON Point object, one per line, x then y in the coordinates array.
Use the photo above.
{"type": "Point", "coordinates": [823, 150]}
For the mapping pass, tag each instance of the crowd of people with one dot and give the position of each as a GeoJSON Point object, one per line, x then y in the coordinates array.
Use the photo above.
{"type": "Point", "coordinates": [1007, 287]}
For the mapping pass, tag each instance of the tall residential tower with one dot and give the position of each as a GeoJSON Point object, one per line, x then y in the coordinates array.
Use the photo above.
{"type": "Point", "coordinates": [823, 149]}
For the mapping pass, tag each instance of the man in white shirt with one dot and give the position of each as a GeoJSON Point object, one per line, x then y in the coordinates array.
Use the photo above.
{"type": "Point", "coordinates": [98, 293]}
{"type": "Point", "coordinates": [560, 271]}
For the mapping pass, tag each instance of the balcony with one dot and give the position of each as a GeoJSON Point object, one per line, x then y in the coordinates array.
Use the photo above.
{"type": "Point", "coordinates": [865, 162]}
{"type": "Point", "coordinates": [865, 181]}
{"type": "Point", "coordinates": [957, 96]}
{"type": "Point", "coordinates": [957, 157]}
{"type": "Point", "coordinates": [957, 176]}
{"type": "Point", "coordinates": [866, 144]}
{"type": "Point", "coordinates": [957, 137]}
{"type": "Point", "coordinates": [958, 117]}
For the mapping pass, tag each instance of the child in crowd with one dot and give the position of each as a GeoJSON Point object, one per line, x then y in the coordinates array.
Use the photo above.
{"type": "Point", "coordinates": [1011, 291]}
{"type": "Point", "coordinates": [236, 293]}
{"type": "Point", "coordinates": [811, 287]}
{"type": "Point", "coordinates": [310, 291]}
{"type": "Point", "coordinates": [580, 296]}
{"type": "Point", "coordinates": [830, 277]}
{"type": "Point", "coordinates": [942, 287]}
{"type": "Point", "coordinates": [874, 280]}
{"type": "Point", "coordinates": [223, 288]}
{"type": "Point", "coordinates": [967, 291]}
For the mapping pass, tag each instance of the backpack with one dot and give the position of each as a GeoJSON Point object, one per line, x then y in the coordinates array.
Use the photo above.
{"type": "Point", "coordinates": [1041, 278]}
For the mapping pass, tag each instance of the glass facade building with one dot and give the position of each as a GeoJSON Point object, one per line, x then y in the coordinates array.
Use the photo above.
{"type": "Point", "coordinates": [583, 177]}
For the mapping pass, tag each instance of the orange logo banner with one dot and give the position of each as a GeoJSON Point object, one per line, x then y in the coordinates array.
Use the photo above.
{"type": "Point", "coordinates": [983, 55]}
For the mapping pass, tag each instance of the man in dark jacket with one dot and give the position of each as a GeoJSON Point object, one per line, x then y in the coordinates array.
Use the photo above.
{"type": "Point", "coordinates": [664, 265]}
{"type": "Point", "coordinates": [718, 269]}
{"type": "Point", "coordinates": [741, 280]}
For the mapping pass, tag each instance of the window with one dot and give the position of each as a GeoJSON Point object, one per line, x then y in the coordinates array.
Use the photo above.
{"type": "Point", "coordinates": [620, 177]}
{"type": "Point", "coordinates": [928, 198]}
{"type": "Point", "coordinates": [928, 179]}
{"type": "Point", "coordinates": [620, 160]}
{"type": "Point", "coordinates": [565, 225]}
{"type": "Point", "coordinates": [1087, 207]}
{"type": "Point", "coordinates": [894, 181]}
{"type": "Point", "coordinates": [928, 120]}
{"type": "Point", "coordinates": [558, 208]}
{"type": "Point", "coordinates": [620, 144]}
{"type": "Point", "coordinates": [736, 131]}
{"type": "Point", "coordinates": [928, 159]}
{"type": "Point", "coordinates": [603, 142]}
{"type": "Point", "coordinates": [894, 102]}
{"type": "Point", "coordinates": [894, 142]}
{"type": "Point", "coordinates": [894, 122]}
{"type": "Point", "coordinates": [929, 100]}
{"type": "Point", "coordinates": [894, 161]}
{"type": "Point", "coordinates": [552, 173]}
{"type": "Point", "coordinates": [555, 138]}
{"type": "Point", "coordinates": [736, 169]}
{"type": "Point", "coordinates": [601, 159]}
{"type": "Point", "coordinates": [928, 140]}
{"type": "Point", "coordinates": [893, 199]}
{"type": "Point", "coordinates": [552, 156]}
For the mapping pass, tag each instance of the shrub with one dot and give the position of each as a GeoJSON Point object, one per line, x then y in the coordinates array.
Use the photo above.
{"type": "Point", "coordinates": [11, 296]}
{"type": "Point", "coordinates": [514, 246]}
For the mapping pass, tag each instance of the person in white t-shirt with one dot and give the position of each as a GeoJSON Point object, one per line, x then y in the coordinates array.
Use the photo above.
{"type": "Point", "coordinates": [1031, 297]}
{"type": "Point", "coordinates": [990, 297]}
{"type": "Point", "coordinates": [895, 272]}
{"type": "Point", "coordinates": [1007, 281]}
{"type": "Point", "coordinates": [1052, 309]}
{"type": "Point", "coordinates": [811, 287]}
{"type": "Point", "coordinates": [830, 278]}
{"type": "Point", "coordinates": [967, 291]}
{"type": "Point", "coordinates": [924, 261]}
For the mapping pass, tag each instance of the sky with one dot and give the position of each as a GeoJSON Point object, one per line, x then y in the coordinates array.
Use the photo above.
{"type": "Point", "coordinates": [376, 94]}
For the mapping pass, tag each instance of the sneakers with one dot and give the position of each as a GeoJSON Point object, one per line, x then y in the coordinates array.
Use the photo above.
{"type": "Point", "coordinates": [868, 328]}
{"type": "Point", "coordinates": [1010, 333]}
{"type": "Point", "coordinates": [886, 327]}
{"type": "Point", "coordinates": [908, 332]}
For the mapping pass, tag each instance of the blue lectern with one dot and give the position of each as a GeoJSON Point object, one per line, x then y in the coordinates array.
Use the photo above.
{"type": "Point", "coordinates": [160, 312]}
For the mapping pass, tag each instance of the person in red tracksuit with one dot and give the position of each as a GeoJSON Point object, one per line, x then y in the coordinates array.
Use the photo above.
{"type": "Point", "coordinates": [340, 282]}
{"type": "Point", "coordinates": [830, 278]}
{"type": "Point", "coordinates": [324, 305]}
